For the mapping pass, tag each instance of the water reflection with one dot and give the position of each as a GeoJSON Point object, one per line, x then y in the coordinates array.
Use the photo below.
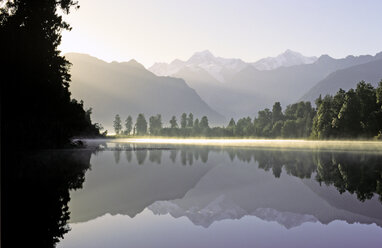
{"type": "Point", "coordinates": [35, 195]}
{"type": "Point", "coordinates": [359, 173]}
{"type": "Point", "coordinates": [208, 184]}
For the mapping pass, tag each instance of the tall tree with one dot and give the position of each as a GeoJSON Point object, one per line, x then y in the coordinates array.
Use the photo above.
{"type": "Point", "coordinates": [277, 113]}
{"type": "Point", "coordinates": [190, 120]}
{"type": "Point", "coordinates": [173, 122]}
{"type": "Point", "coordinates": [155, 124]}
{"type": "Point", "coordinates": [322, 122]}
{"type": "Point", "coordinates": [231, 127]}
{"type": "Point", "coordinates": [349, 117]}
{"type": "Point", "coordinates": [367, 96]}
{"type": "Point", "coordinates": [183, 120]}
{"type": "Point", "coordinates": [379, 94]}
{"type": "Point", "coordinates": [204, 123]}
{"type": "Point", "coordinates": [35, 76]}
{"type": "Point", "coordinates": [128, 125]}
{"type": "Point", "coordinates": [117, 124]}
{"type": "Point", "coordinates": [141, 125]}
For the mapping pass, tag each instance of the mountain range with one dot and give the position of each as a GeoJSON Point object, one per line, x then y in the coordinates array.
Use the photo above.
{"type": "Point", "coordinates": [236, 88]}
{"type": "Point", "coordinates": [214, 86]}
{"type": "Point", "coordinates": [129, 89]}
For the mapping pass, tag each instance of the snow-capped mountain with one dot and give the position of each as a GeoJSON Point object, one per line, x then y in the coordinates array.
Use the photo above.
{"type": "Point", "coordinates": [217, 67]}
{"type": "Point", "coordinates": [286, 59]}
{"type": "Point", "coordinates": [222, 209]}
{"type": "Point", "coordinates": [222, 68]}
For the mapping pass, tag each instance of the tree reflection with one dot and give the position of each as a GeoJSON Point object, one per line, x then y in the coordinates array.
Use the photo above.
{"type": "Point", "coordinates": [357, 173]}
{"type": "Point", "coordinates": [141, 155]}
{"type": "Point", "coordinates": [155, 155]}
{"type": "Point", "coordinates": [35, 201]}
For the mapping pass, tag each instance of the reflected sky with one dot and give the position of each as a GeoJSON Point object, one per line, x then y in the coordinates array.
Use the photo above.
{"type": "Point", "coordinates": [146, 195]}
{"type": "Point", "coordinates": [149, 230]}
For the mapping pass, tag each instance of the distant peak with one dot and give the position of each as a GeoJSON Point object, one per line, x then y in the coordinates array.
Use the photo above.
{"type": "Point", "coordinates": [177, 62]}
{"type": "Point", "coordinates": [133, 63]}
{"type": "Point", "coordinates": [203, 54]}
{"type": "Point", "coordinates": [324, 57]}
{"type": "Point", "coordinates": [291, 52]}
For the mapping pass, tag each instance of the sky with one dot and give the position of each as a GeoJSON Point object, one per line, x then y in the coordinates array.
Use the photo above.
{"type": "Point", "coordinates": [163, 30]}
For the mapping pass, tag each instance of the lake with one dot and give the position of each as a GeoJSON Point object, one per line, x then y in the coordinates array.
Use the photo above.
{"type": "Point", "coordinates": [136, 194]}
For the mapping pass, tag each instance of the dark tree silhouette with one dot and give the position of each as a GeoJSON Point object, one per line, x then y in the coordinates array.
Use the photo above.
{"type": "Point", "coordinates": [190, 120]}
{"type": "Point", "coordinates": [183, 120]}
{"type": "Point", "coordinates": [117, 124]}
{"type": "Point", "coordinates": [173, 123]}
{"type": "Point", "coordinates": [36, 107]}
{"type": "Point", "coordinates": [128, 125]}
{"type": "Point", "coordinates": [141, 125]}
{"type": "Point", "coordinates": [35, 210]}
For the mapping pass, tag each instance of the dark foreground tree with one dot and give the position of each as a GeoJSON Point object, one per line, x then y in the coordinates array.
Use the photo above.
{"type": "Point", "coordinates": [36, 107]}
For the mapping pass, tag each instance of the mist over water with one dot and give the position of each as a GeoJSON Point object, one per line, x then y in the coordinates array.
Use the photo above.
{"type": "Point", "coordinates": [330, 145]}
{"type": "Point", "coordinates": [179, 194]}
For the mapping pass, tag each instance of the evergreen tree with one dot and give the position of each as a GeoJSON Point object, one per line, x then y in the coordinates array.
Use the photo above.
{"type": "Point", "coordinates": [196, 128]}
{"type": "Point", "coordinates": [35, 76]}
{"type": "Point", "coordinates": [231, 127]}
{"type": "Point", "coordinates": [128, 125]}
{"type": "Point", "coordinates": [349, 117]}
{"type": "Point", "coordinates": [155, 124]}
{"type": "Point", "coordinates": [173, 122]}
{"type": "Point", "coordinates": [322, 122]}
{"type": "Point", "coordinates": [368, 105]}
{"type": "Point", "coordinates": [183, 120]}
{"type": "Point", "coordinates": [141, 125]}
{"type": "Point", "coordinates": [190, 120]}
{"type": "Point", "coordinates": [379, 94]}
{"type": "Point", "coordinates": [117, 124]}
{"type": "Point", "coordinates": [277, 113]}
{"type": "Point", "coordinates": [204, 123]}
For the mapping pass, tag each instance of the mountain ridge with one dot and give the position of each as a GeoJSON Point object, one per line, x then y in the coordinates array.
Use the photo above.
{"type": "Point", "coordinates": [124, 88]}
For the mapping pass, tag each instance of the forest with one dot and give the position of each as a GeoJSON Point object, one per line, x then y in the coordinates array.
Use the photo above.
{"type": "Point", "coordinates": [352, 114]}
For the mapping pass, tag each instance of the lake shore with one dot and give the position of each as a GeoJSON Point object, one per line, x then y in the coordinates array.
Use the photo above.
{"type": "Point", "coordinates": [330, 145]}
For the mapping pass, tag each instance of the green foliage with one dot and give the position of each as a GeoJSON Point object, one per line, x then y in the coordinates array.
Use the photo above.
{"type": "Point", "coordinates": [155, 124]}
{"type": "Point", "coordinates": [244, 127]}
{"type": "Point", "coordinates": [173, 122]}
{"type": "Point", "coordinates": [190, 120]}
{"type": "Point", "coordinates": [141, 125]}
{"type": "Point", "coordinates": [183, 120]}
{"type": "Point", "coordinates": [277, 113]}
{"type": "Point", "coordinates": [351, 114]}
{"type": "Point", "coordinates": [117, 124]}
{"type": "Point", "coordinates": [128, 125]}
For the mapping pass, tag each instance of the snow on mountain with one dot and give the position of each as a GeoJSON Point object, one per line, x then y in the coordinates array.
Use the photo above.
{"type": "Point", "coordinates": [286, 59]}
{"type": "Point", "coordinates": [221, 209]}
{"type": "Point", "coordinates": [219, 68]}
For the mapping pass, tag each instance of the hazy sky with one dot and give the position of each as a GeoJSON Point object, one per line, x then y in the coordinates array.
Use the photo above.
{"type": "Point", "coordinates": [162, 30]}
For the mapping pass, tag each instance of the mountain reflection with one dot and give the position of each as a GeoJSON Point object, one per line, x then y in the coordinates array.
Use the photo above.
{"type": "Point", "coordinates": [207, 184]}
{"type": "Point", "coordinates": [357, 173]}
{"type": "Point", "coordinates": [35, 198]}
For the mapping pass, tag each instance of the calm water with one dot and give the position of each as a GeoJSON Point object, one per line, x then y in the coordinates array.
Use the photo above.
{"type": "Point", "coordinates": [129, 195]}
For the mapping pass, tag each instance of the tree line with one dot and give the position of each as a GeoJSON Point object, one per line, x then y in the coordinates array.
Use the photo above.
{"type": "Point", "coordinates": [356, 113]}
{"type": "Point", "coordinates": [37, 110]}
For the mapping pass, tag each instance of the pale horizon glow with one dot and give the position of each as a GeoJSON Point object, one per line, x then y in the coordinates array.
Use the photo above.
{"type": "Point", "coordinates": [163, 30]}
{"type": "Point", "coordinates": [332, 145]}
